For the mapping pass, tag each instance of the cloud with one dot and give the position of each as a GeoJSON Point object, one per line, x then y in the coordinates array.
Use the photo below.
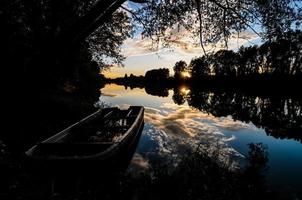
{"type": "Point", "coordinates": [182, 44]}
{"type": "Point", "coordinates": [137, 47]}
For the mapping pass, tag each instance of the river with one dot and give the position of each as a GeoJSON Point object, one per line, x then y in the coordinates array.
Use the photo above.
{"type": "Point", "coordinates": [183, 118]}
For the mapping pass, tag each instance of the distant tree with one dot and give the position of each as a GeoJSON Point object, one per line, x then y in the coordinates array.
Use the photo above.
{"type": "Point", "coordinates": [157, 75]}
{"type": "Point", "coordinates": [200, 67]}
{"type": "Point", "coordinates": [179, 68]}
{"type": "Point", "coordinates": [273, 58]}
{"type": "Point", "coordinates": [249, 62]}
{"type": "Point", "coordinates": [225, 63]}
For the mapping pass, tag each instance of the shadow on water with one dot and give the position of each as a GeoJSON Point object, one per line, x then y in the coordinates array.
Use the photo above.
{"type": "Point", "coordinates": [187, 180]}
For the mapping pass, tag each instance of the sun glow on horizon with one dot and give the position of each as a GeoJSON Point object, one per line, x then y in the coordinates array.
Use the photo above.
{"type": "Point", "coordinates": [185, 74]}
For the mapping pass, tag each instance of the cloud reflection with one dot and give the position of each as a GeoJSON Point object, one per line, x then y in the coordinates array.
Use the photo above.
{"type": "Point", "coordinates": [182, 128]}
{"type": "Point", "coordinates": [172, 130]}
{"type": "Point", "coordinates": [139, 165]}
{"type": "Point", "coordinates": [109, 95]}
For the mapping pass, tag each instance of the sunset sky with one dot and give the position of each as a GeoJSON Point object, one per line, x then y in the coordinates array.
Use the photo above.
{"type": "Point", "coordinates": [140, 57]}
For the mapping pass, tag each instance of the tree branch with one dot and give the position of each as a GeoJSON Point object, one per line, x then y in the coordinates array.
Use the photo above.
{"type": "Point", "coordinates": [134, 15]}
{"type": "Point", "coordinates": [237, 14]}
{"type": "Point", "coordinates": [200, 26]}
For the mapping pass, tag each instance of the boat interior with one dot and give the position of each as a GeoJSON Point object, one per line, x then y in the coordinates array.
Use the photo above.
{"type": "Point", "coordinates": [93, 135]}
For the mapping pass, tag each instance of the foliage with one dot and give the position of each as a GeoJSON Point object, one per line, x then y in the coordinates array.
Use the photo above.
{"type": "Point", "coordinates": [225, 63]}
{"type": "Point", "coordinates": [279, 58]}
{"type": "Point", "coordinates": [34, 28]}
{"type": "Point", "coordinates": [33, 32]}
{"type": "Point", "coordinates": [107, 40]}
{"type": "Point", "coordinates": [214, 20]}
{"type": "Point", "coordinates": [179, 68]}
{"type": "Point", "coordinates": [200, 67]}
{"type": "Point", "coordinates": [156, 75]}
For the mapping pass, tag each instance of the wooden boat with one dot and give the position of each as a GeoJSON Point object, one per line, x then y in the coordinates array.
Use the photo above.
{"type": "Point", "coordinates": [106, 137]}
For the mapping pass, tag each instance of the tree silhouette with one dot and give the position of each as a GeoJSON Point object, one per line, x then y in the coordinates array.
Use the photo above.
{"type": "Point", "coordinates": [279, 58]}
{"type": "Point", "coordinates": [248, 61]}
{"type": "Point", "coordinates": [215, 21]}
{"type": "Point", "coordinates": [179, 68]}
{"type": "Point", "coordinates": [157, 75]}
{"type": "Point", "coordinates": [225, 63]}
{"type": "Point", "coordinates": [200, 67]}
{"type": "Point", "coordinates": [35, 31]}
{"type": "Point", "coordinates": [40, 31]}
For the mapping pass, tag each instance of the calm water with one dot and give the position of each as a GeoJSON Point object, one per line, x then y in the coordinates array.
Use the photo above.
{"type": "Point", "coordinates": [185, 117]}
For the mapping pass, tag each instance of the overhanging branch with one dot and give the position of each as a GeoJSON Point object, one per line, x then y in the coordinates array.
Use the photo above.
{"type": "Point", "coordinates": [200, 26]}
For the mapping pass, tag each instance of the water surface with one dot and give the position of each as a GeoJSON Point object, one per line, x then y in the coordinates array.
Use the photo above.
{"type": "Point", "coordinates": [183, 118]}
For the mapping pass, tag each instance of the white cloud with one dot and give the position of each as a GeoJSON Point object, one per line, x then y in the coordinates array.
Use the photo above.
{"type": "Point", "coordinates": [181, 45]}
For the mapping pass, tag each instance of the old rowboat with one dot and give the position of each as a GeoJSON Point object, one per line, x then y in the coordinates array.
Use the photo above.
{"type": "Point", "coordinates": [107, 137]}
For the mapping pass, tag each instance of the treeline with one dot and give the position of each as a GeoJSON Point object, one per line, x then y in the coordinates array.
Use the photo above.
{"type": "Point", "coordinates": [280, 58]}
{"type": "Point", "coordinates": [153, 77]}
{"type": "Point", "coordinates": [273, 60]}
